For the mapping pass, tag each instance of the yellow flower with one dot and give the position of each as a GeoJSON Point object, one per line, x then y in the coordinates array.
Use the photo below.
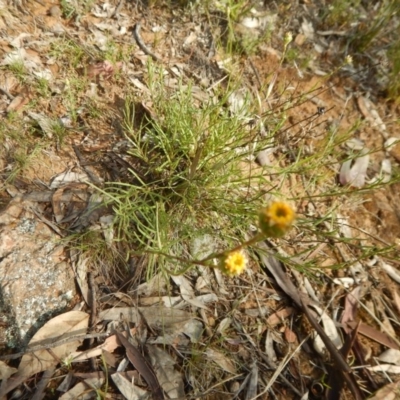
{"type": "Point", "coordinates": [276, 219]}
{"type": "Point", "coordinates": [233, 263]}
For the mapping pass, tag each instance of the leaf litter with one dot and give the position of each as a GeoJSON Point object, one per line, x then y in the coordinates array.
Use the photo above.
{"type": "Point", "coordinates": [258, 305]}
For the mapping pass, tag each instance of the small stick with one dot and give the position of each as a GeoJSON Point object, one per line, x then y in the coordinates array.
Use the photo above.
{"type": "Point", "coordinates": [118, 9]}
{"type": "Point", "coordinates": [143, 47]}
{"type": "Point", "coordinates": [54, 344]}
{"type": "Point", "coordinates": [93, 315]}
{"type": "Point", "coordinates": [9, 95]}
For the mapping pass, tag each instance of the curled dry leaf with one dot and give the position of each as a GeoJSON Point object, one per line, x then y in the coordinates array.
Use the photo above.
{"type": "Point", "coordinates": [391, 271]}
{"type": "Point", "coordinates": [354, 175]}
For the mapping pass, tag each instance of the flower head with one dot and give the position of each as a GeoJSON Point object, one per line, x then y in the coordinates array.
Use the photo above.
{"type": "Point", "coordinates": [276, 219]}
{"type": "Point", "coordinates": [348, 60]}
{"type": "Point", "coordinates": [287, 38]}
{"type": "Point", "coordinates": [233, 263]}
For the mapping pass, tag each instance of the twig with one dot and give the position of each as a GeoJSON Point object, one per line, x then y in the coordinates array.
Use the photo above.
{"type": "Point", "coordinates": [93, 315]}
{"type": "Point", "coordinates": [41, 386]}
{"type": "Point", "coordinates": [342, 367]}
{"type": "Point", "coordinates": [47, 222]}
{"type": "Point", "coordinates": [9, 95]}
{"type": "Point", "coordinates": [54, 344]}
{"type": "Point", "coordinates": [257, 75]}
{"type": "Point", "coordinates": [118, 8]}
{"type": "Point", "coordinates": [143, 47]}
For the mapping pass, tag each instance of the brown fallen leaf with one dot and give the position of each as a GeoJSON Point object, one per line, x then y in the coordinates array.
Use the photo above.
{"type": "Point", "coordinates": [350, 307]}
{"type": "Point", "coordinates": [290, 336]}
{"type": "Point", "coordinates": [396, 299]}
{"type": "Point", "coordinates": [389, 392]}
{"type": "Point", "coordinates": [18, 103]}
{"type": "Point", "coordinates": [84, 390]}
{"type": "Point", "coordinates": [63, 326]}
{"type": "Point", "coordinates": [222, 360]}
{"type": "Point", "coordinates": [110, 344]}
{"type": "Point", "coordinates": [276, 318]}
{"type": "Point", "coordinates": [374, 334]}
{"type": "Point", "coordinates": [140, 363]}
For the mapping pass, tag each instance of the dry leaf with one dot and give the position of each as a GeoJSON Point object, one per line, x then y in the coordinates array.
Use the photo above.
{"type": "Point", "coordinates": [290, 336]}
{"type": "Point", "coordinates": [223, 361]}
{"type": "Point", "coordinates": [164, 367]}
{"type": "Point", "coordinates": [354, 175]}
{"type": "Point", "coordinates": [350, 307]}
{"type": "Point", "coordinates": [279, 316]}
{"type": "Point", "coordinates": [374, 334]}
{"type": "Point", "coordinates": [389, 392]}
{"type": "Point", "coordinates": [330, 330]}
{"type": "Point", "coordinates": [391, 271]}
{"type": "Point", "coordinates": [391, 369]}
{"type": "Point", "coordinates": [63, 326]}
{"type": "Point", "coordinates": [84, 390]}
{"type": "Point", "coordinates": [396, 300]}
{"type": "Point", "coordinates": [168, 320]}
{"type": "Point", "coordinates": [46, 124]}
{"type": "Point", "coordinates": [110, 344]}
{"type": "Point", "coordinates": [370, 113]}
{"type": "Point", "coordinates": [128, 389]}
{"type": "Point", "coordinates": [18, 102]}
{"type": "Point", "coordinates": [67, 177]}
{"type": "Point", "coordinates": [251, 392]}
{"type": "Point", "coordinates": [6, 371]}
{"type": "Point", "coordinates": [391, 356]}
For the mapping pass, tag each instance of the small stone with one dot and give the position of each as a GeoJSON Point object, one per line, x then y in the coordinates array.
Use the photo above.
{"type": "Point", "coordinates": [55, 11]}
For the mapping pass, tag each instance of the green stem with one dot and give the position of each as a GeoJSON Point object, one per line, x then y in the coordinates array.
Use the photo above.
{"type": "Point", "coordinates": [205, 261]}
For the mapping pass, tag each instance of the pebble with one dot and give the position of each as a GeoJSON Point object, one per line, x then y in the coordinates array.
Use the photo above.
{"type": "Point", "coordinates": [55, 11]}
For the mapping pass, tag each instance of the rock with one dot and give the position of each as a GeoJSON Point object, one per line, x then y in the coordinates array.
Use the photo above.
{"type": "Point", "coordinates": [36, 282]}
